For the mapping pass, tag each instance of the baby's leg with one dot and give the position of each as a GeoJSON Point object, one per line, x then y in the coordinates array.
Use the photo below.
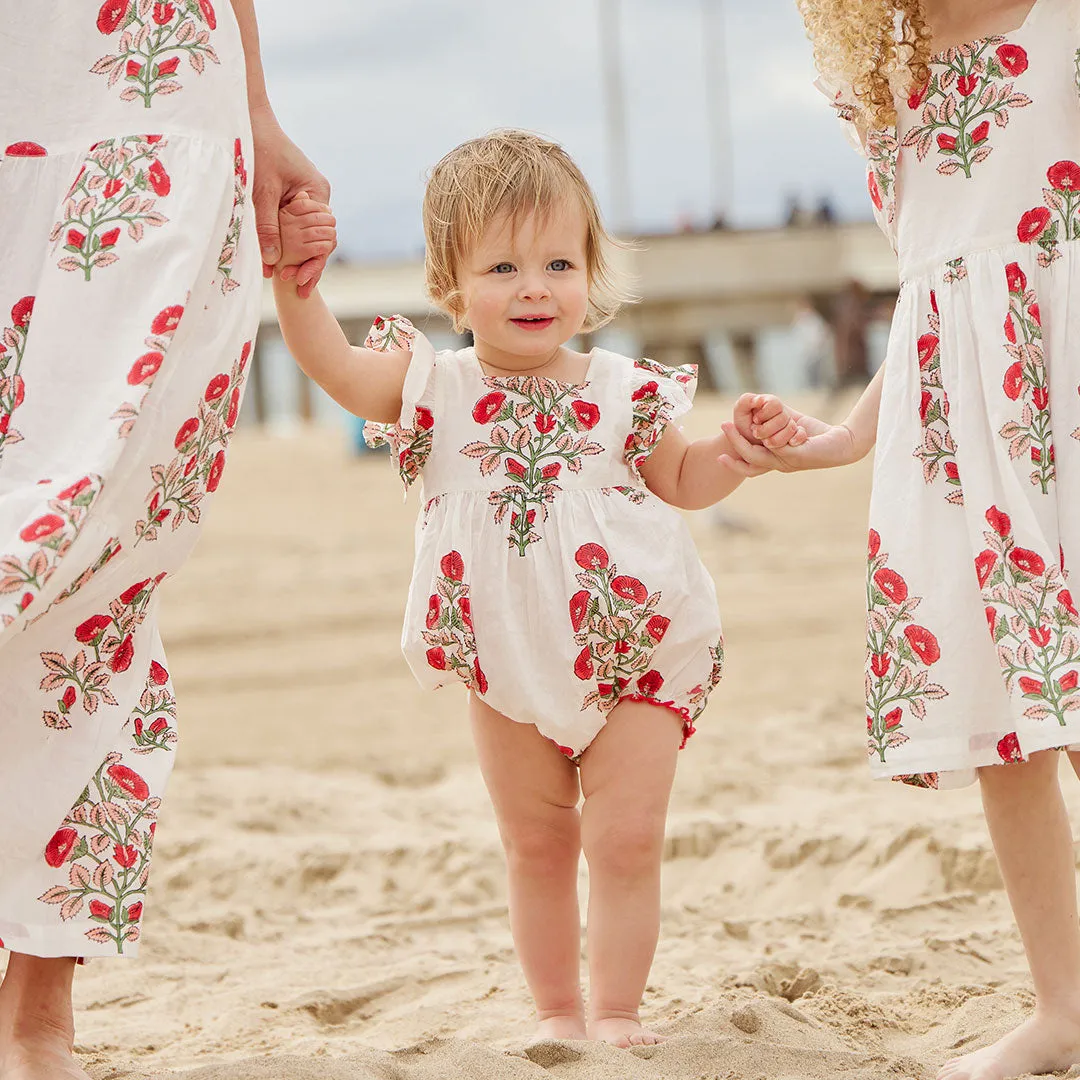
{"type": "Point", "coordinates": [1034, 846]}
{"type": "Point", "coordinates": [535, 792]}
{"type": "Point", "coordinates": [626, 776]}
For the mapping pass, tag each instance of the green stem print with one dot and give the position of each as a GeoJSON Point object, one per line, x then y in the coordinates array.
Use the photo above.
{"type": "Point", "coordinates": [1025, 381]}
{"type": "Point", "coordinates": [540, 426]}
{"type": "Point", "coordinates": [900, 654]}
{"type": "Point", "coordinates": [1033, 621]}
{"type": "Point", "coordinates": [115, 192]}
{"type": "Point", "coordinates": [969, 89]}
{"type": "Point", "coordinates": [154, 38]}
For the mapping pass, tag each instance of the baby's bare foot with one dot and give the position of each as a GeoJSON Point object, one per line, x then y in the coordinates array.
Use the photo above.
{"type": "Point", "coordinates": [622, 1031]}
{"type": "Point", "coordinates": [562, 1026]}
{"type": "Point", "coordinates": [1044, 1043]}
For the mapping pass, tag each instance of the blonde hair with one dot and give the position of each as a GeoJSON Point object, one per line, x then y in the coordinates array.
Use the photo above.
{"type": "Point", "coordinates": [876, 46]}
{"type": "Point", "coordinates": [516, 173]}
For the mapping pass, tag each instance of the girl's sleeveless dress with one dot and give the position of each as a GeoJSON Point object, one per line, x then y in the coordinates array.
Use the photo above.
{"type": "Point", "coordinates": [129, 295]}
{"type": "Point", "coordinates": [973, 631]}
{"type": "Point", "coordinates": [548, 579]}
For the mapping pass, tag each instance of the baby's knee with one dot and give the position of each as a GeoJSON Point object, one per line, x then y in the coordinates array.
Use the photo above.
{"type": "Point", "coordinates": [542, 847]}
{"type": "Point", "coordinates": [626, 847]}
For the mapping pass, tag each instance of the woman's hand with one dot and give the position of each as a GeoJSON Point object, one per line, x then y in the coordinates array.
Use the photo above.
{"type": "Point", "coordinates": [282, 171]}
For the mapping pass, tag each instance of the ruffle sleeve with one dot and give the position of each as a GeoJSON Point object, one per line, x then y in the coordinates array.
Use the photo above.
{"type": "Point", "coordinates": [659, 395]}
{"type": "Point", "coordinates": [411, 437]}
{"type": "Point", "coordinates": [846, 106]}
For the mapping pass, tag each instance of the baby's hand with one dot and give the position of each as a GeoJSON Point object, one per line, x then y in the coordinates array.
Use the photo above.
{"type": "Point", "coordinates": [764, 420]}
{"type": "Point", "coordinates": [307, 232]}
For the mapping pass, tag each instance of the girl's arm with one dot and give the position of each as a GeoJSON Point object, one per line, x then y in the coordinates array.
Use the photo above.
{"type": "Point", "coordinates": [826, 446]}
{"type": "Point", "coordinates": [694, 475]}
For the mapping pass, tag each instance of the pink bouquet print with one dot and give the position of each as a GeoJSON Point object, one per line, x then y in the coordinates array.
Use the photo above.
{"type": "Point", "coordinates": [154, 39]}
{"type": "Point", "coordinates": [964, 97]}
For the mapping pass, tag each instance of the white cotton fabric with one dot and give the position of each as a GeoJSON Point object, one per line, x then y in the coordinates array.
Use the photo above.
{"type": "Point", "coordinates": [973, 635]}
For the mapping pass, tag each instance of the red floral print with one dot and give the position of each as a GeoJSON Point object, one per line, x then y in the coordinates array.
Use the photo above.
{"type": "Point", "coordinates": [449, 627]}
{"type": "Point", "coordinates": [231, 244]}
{"type": "Point", "coordinates": [52, 535]}
{"type": "Point", "coordinates": [154, 38]}
{"type": "Point", "coordinates": [125, 168]}
{"type": "Point", "coordinates": [1032, 620]}
{"type": "Point", "coordinates": [968, 89]}
{"type": "Point", "coordinates": [937, 451]}
{"type": "Point", "coordinates": [612, 613]}
{"type": "Point", "coordinates": [109, 650]}
{"type": "Point", "coordinates": [106, 843]}
{"type": "Point", "coordinates": [411, 445]}
{"type": "Point", "coordinates": [538, 423]}
{"type": "Point", "coordinates": [652, 411]}
{"type": "Point", "coordinates": [146, 367]}
{"type": "Point", "coordinates": [201, 443]}
{"type": "Point", "coordinates": [1058, 221]}
{"type": "Point", "coordinates": [26, 149]}
{"type": "Point", "coordinates": [12, 386]}
{"type": "Point", "coordinates": [1025, 381]}
{"type": "Point", "coordinates": [897, 648]}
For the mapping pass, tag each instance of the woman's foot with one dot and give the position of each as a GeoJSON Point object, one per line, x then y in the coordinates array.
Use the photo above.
{"type": "Point", "coordinates": [37, 1027]}
{"type": "Point", "coordinates": [1047, 1042]}
{"type": "Point", "coordinates": [42, 1054]}
{"type": "Point", "coordinates": [622, 1031]}
{"type": "Point", "coordinates": [559, 1026]}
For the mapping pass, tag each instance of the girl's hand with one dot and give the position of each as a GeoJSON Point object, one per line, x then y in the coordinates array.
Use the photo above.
{"type": "Point", "coordinates": [764, 420]}
{"type": "Point", "coordinates": [825, 446]}
{"type": "Point", "coordinates": [307, 231]}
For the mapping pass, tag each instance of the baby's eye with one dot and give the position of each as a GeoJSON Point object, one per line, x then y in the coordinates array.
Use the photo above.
{"type": "Point", "coordinates": [559, 265]}
{"type": "Point", "coordinates": [503, 268]}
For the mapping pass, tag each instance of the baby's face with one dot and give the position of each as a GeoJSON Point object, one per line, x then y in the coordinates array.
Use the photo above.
{"type": "Point", "coordinates": [526, 288]}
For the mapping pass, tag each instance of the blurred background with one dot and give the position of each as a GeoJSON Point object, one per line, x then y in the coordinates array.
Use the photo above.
{"type": "Point", "coordinates": [697, 123]}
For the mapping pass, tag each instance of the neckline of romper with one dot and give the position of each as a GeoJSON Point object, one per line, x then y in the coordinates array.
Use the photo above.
{"type": "Point", "coordinates": [470, 354]}
{"type": "Point", "coordinates": [941, 56]}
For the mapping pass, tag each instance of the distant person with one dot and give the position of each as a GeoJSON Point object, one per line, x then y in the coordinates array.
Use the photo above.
{"type": "Point", "coordinates": [132, 274]}
{"type": "Point", "coordinates": [813, 340]}
{"type": "Point", "coordinates": [825, 214]}
{"type": "Point", "coordinates": [973, 653]}
{"type": "Point", "coordinates": [851, 324]}
{"type": "Point", "coordinates": [553, 579]}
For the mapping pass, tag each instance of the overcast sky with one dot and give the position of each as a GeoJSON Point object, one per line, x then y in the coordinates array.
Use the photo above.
{"type": "Point", "coordinates": [376, 91]}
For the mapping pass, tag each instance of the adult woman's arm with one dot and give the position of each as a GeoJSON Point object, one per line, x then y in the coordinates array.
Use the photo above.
{"type": "Point", "coordinates": [281, 168]}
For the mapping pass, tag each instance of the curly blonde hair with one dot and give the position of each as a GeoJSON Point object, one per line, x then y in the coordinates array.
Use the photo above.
{"type": "Point", "coordinates": [875, 46]}
{"type": "Point", "coordinates": [516, 173]}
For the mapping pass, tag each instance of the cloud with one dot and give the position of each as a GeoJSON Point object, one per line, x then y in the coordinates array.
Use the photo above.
{"type": "Point", "coordinates": [377, 92]}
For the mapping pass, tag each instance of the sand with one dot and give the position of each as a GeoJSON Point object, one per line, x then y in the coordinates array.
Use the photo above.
{"type": "Point", "coordinates": [328, 897]}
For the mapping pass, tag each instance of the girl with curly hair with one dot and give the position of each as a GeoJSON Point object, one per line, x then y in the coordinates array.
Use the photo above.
{"type": "Point", "coordinates": [968, 112]}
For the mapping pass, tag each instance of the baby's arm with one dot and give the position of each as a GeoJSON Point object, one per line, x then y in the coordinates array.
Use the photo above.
{"type": "Point", "coordinates": [366, 382]}
{"type": "Point", "coordinates": [694, 475]}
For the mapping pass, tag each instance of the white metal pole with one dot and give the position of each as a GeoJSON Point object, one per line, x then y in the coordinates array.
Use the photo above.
{"type": "Point", "coordinates": [718, 109]}
{"type": "Point", "coordinates": [615, 113]}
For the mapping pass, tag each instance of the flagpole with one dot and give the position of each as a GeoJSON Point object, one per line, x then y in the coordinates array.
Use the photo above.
{"type": "Point", "coordinates": [615, 114]}
{"type": "Point", "coordinates": [718, 110]}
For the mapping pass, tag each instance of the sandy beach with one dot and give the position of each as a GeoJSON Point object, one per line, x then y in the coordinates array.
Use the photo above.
{"type": "Point", "coordinates": [328, 897]}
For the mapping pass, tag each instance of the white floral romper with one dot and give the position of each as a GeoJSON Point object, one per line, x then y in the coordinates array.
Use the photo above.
{"type": "Point", "coordinates": [973, 632]}
{"type": "Point", "coordinates": [129, 295]}
{"type": "Point", "coordinates": [548, 579]}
